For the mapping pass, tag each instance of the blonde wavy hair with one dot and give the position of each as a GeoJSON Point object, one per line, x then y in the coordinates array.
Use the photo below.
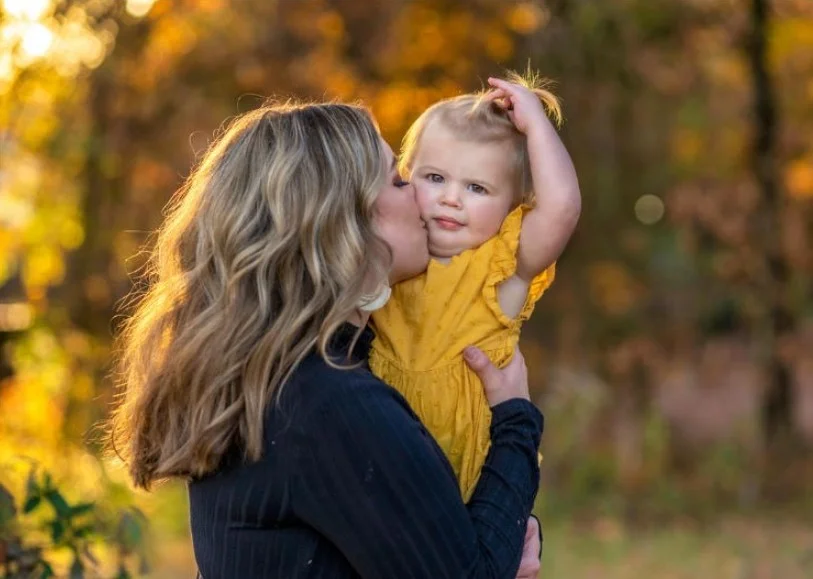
{"type": "Point", "coordinates": [472, 117]}
{"type": "Point", "coordinates": [264, 253]}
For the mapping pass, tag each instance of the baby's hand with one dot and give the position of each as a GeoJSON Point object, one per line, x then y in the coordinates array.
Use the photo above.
{"type": "Point", "coordinates": [523, 106]}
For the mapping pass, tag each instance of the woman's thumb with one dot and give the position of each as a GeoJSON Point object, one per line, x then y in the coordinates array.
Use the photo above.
{"type": "Point", "coordinates": [479, 362]}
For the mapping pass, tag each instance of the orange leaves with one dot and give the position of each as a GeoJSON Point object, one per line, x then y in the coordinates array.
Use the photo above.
{"type": "Point", "coordinates": [798, 177]}
{"type": "Point", "coordinates": [499, 46]}
{"type": "Point", "coordinates": [526, 17]}
{"type": "Point", "coordinates": [612, 288]}
{"type": "Point", "coordinates": [330, 26]}
{"type": "Point", "coordinates": [173, 36]}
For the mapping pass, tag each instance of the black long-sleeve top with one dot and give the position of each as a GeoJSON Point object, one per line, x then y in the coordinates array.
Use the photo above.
{"type": "Point", "coordinates": [351, 484]}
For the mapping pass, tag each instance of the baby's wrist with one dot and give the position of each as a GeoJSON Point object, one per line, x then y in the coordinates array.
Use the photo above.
{"type": "Point", "coordinates": [538, 129]}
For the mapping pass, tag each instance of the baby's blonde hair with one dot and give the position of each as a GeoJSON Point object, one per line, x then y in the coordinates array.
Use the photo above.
{"type": "Point", "coordinates": [473, 117]}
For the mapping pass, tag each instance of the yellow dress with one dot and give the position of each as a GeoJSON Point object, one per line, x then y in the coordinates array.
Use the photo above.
{"type": "Point", "coordinates": [430, 319]}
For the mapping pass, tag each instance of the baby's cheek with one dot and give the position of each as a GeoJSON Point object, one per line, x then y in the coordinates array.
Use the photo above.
{"type": "Point", "coordinates": [489, 221]}
{"type": "Point", "coordinates": [424, 202]}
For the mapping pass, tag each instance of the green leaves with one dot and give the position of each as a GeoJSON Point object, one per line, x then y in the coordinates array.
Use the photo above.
{"type": "Point", "coordinates": [130, 532]}
{"type": "Point", "coordinates": [47, 570]}
{"type": "Point", "coordinates": [68, 526]}
{"type": "Point", "coordinates": [32, 493]}
{"type": "Point", "coordinates": [63, 510]}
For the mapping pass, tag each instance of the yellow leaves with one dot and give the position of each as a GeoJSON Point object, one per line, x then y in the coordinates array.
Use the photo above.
{"type": "Point", "coordinates": [34, 225]}
{"type": "Point", "coordinates": [65, 41]}
{"type": "Point", "coordinates": [526, 17]}
{"type": "Point", "coordinates": [83, 389]}
{"type": "Point", "coordinates": [77, 44]}
{"type": "Point", "coordinates": [42, 266]}
{"type": "Point", "coordinates": [30, 412]}
{"type": "Point", "coordinates": [791, 39]}
{"type": "Point", "coordinates": [799, 178]}
{"type": "Point", "coordinates": [71, 234]}
{"type": "Point", "coordinates": [15, 213]}
{"type": "Point", "coordinates": [39, 129]}
{"type": "Point", "coordinates": [612, 288]}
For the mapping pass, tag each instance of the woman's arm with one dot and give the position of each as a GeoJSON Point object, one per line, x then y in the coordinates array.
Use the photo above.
{"type": "Point", "coordinates": [374, 482]}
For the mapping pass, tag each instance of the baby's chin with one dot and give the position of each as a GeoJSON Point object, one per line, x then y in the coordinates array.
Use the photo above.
{"type": "Point", "coordinates": [442, 249]}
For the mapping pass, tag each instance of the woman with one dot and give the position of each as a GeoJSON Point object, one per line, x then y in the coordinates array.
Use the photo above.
{"type": "Point", "coordinates": [244, 370]}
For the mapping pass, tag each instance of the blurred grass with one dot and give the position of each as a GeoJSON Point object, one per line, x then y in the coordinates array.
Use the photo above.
{"type": "Point", "coordinates": [732, 547]}
{"type": "Point", "coordinates": [759, 545]}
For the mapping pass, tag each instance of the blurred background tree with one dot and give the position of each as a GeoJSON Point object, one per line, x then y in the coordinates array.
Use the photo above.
{"type": "Point", "coordinates": [674, 354]}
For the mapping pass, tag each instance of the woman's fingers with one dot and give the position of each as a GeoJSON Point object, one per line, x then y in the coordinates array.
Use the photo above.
{"type": "Point", "coordinates": [529, 564]}
{"type": "Point", "coordinates": [499, 384]}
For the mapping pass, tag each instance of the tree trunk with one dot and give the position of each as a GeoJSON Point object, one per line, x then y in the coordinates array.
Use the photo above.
{"type": "Point", "coordinates": [778, 403]}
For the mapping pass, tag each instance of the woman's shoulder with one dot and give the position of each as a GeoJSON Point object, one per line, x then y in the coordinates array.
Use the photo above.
{"type": "Point", "coordinates": [320, 390]}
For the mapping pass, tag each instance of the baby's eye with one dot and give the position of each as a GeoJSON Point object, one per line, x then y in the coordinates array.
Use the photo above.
{"type": "Point", "coordinates": [475, 188]}
{"type": "Point", "coordinates": [434, 178]}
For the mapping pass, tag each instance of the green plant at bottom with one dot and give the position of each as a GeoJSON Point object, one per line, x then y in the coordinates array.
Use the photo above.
{"type": "Point", "coordinates": [29, 536]}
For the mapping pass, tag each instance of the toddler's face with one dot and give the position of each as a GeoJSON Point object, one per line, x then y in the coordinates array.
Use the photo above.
{"type": "Point", "coordinates": [464, 189]}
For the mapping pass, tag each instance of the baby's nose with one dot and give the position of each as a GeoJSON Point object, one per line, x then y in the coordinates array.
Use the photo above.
{"type": "Point", "coordinates": [450, 195]}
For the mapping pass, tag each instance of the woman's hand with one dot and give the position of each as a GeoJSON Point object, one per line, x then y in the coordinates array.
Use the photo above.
{"type": "Point", "coordinates": [500, 385]}
{"type": "Point", "coordinates": [530, 564]}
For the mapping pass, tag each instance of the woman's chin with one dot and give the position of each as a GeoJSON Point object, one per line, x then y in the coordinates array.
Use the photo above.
{"type": "Point", "coordinates": [416, 268]}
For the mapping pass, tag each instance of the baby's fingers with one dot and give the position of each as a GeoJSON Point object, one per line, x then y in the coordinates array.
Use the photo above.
{"type": "Point", "coordinates": [494, 93]}
{"type": "Point", "coordinates": [504, 85]}
{"type": "Point", "coordinates": [500, 98]}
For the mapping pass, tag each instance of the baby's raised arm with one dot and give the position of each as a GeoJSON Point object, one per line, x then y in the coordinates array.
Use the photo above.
{"type": "Point", "coordinates": [547, 228]}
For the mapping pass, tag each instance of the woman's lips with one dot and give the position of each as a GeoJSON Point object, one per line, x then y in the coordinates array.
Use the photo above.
{"type": "Point", "coordinates": [448, 223]}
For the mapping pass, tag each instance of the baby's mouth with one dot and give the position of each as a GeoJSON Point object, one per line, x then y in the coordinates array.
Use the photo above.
{"type": "Point", "coordinates": [448, 223]}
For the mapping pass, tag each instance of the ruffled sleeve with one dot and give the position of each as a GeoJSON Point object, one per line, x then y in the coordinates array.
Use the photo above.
{"type": "Point", "coordinates": [503, 265]}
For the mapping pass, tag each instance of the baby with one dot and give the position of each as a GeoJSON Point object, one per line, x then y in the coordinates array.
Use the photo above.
{"type": "Point", "coordinates": [500, 198]}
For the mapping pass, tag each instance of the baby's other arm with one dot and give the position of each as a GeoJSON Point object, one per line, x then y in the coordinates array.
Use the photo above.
{"type": "Point", "coordinates": [547, 228]}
